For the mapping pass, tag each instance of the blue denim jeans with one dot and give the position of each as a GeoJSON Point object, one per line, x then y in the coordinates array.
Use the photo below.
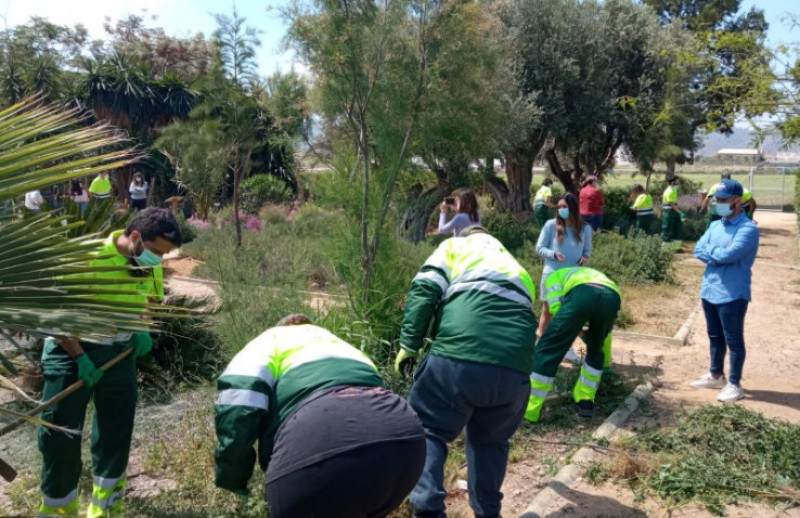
{"type": "Point", "coordinates": [490, 401]}
{"type": "Point", "coordinates": [725, 325]}
{"type": "Point", "coordinates": [594, 220]}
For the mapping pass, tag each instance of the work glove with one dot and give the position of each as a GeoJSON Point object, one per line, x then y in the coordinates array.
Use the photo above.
{"type": "Point", "coordinates": [683, 216]}
{"type": "Point", "coordinates": [405, 362]}
{"type": "Point", "coordinates": [87, 371]}
{"type": "Point", "coordinates": [142, 344]}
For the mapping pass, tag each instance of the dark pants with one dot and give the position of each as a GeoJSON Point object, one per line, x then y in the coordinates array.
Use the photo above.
{"type": "Point", "coordinates": [114, 399]}
{"type": "Point", "coordinates": [645, 223]}
{"type": "Point", "coordinates": [355, 452]}
{"type": "Point", "coordinates": [671, 226]}
{"type": "Point", "coordinates": [542, 212]}
{"type": "Point", "coordinates": [596, 305]}
{"type": "Point", "coordinates": [138, 204]}
{"type": "Point", "coordinates": [595, 220]}
{"type": "Point", "coordinates": [725, 326]}
{"type": "Point", "coordinates": [490, 401]}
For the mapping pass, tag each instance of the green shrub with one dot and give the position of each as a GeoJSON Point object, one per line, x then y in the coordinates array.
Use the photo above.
{"type": "Point", "coordinates": [260, 189]}
{"type": "Point", "coordinates": [636, 259]}
{"type": "Point", "coordinates": [694, 227]}
{"type": "Point", "coordinates": [188, 231]}
{"type": "Point", "coordinates": [512, 233]}
{"type": "Point", "coordinates": [617, 214]}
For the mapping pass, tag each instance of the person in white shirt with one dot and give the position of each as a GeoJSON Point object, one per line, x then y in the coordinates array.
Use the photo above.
{"type": "Point", "coordinates": [138, 192]}
{"type": "Point", "coordinates": [33, 201]}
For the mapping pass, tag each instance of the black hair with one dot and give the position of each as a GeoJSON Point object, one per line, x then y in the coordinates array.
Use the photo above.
{"type": "Point", "coordinates": [673, 179]}
{"type": "Point", "coordinates": [154, 222]}
{"type": "Point", "coordinates": [726, 175]}
{"type": "Point", "coordinates": [547, 181]}
{"type": "Point", "coordinates": [637, 188]}
{"type": "Point", "coordinates": [77, 188]}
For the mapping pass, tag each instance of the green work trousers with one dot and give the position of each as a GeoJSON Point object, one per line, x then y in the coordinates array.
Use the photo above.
{"type": "Point", "coordinates": [596, 305]}
{"type": "Point", "coordinates": [114, 399]}
{"type": "Point", "coordinates": [671, 228]}
{"type": "Point", "coordinates": [645, 223]}
{"type": "Point", "coordinates": [542, 212]}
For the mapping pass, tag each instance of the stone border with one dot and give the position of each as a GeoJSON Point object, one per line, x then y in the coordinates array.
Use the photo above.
{"type": "Point", "coordinates": [679, 339]}
{"type": "Point", "coordinates": [570, 473]}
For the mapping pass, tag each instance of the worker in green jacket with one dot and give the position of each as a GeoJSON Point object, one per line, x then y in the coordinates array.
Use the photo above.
{"type": "Point", "coordinates": [151, 234]}
{"type": "Point", "coordinates": [643, 207]}
{"type": "Point", "coordinates": [332, 441]}
{"type": "Point", "coordinates": [542, 203]}
{"type": "Point", "coordinates": [671, 216]}
{"type": "Point", "coordinates": [576, 296]}
{"type": "Point", "coordinates": [475, 374]}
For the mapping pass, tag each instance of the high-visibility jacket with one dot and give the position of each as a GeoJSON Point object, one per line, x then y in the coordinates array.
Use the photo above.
{"type": "Point", "coordinates": [266, 381]}
{"type": "Point", "coordinates": [643, 205]}
{"type": "Point", "coordinates": [668, 197]}
{"type": "Point", "coordinates": [100, 187]}
{"type": "Point", "coordinates": [135, 291]}
{"type": "Point", "coordinates": [544, 193]}
{"type": "Point", "coordinates": [481, 299]}
{"type": "Point", "coordinates": [560, 282]}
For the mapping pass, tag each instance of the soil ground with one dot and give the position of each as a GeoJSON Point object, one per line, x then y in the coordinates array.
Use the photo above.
{"type": "Point", "coordinates": [770, 382]}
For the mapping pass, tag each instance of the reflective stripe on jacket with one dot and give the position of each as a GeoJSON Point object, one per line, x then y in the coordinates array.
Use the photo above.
{"type": "Point", "coordinates": [560, 282]}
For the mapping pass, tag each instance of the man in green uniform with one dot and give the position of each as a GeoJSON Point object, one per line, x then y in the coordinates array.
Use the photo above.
{"type": "Point", "coordinates": [576, 296]}
{"type": "Point", "coordinates": [100, 188]}
{"type": "Point", "coordinates": [542, 203]}
{"type": "Point", "coordinates": [475, 375]}
{"type": "Point", "coordinates": [151, 234]}
{"type": "Point", "coordinates": [643, 207]}
{"type": "Point", "coordinates": [671, 216]}
{"type": "Point", "coordinates": [332, 441]}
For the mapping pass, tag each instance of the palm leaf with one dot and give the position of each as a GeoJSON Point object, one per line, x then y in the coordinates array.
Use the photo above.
{"type": "Point", "coordinates": [47, 285]}
{"type": "Point", "coordinates": [37, 421]}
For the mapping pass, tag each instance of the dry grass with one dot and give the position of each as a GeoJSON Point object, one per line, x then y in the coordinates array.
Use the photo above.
{"type": "Point", "coordinates": [661, 309]}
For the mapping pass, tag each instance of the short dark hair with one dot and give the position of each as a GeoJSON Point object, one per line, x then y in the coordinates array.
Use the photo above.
{"type": "Point", "coordinates": [673, 179]}
{"type": "Point", "coordinates": [637, 188]}
{"type": "Point", "coordinates": [154, 222]}
{"type": "Point", "coordinates": [547, 181]}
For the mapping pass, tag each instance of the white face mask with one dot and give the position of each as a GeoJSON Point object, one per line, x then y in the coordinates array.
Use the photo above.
{"type": "Point", "coordinates": [724, 209]}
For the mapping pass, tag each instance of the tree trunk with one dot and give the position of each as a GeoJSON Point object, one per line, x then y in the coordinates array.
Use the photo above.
{"type": "Point", "coordinates": [671, 166]}
{"type": "Point", "coordinates": [567, 178]}
{"type": "Point", "coordinates": [237, 174]}
{"type": "Point", "coordinates": [416, 217]}
{"type": "Point", "coordinates": [519, 171]}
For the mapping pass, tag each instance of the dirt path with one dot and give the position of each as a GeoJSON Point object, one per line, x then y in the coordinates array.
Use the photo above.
{"type": "Point", "coordinates": [770, 380]}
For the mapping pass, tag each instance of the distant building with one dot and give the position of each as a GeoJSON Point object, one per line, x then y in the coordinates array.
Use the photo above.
{"type": "Point", "coordinates": [740, 156]}
{"type": "Point", "coordinates": [787, 157]}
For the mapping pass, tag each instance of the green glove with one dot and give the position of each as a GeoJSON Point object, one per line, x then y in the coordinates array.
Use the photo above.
{"type": "Point", "coordinates": [142, 344]}
{"type": "Point", "coordinates": [405, 361]}
{"type": "Point", "coordinates": [87, 371]}
{"type": "Point", "coordinates": [683, 216]}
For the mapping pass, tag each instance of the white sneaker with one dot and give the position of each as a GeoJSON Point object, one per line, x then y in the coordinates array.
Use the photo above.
{"type": "Point", "coordinates": [731, 393]}
{"type": "Point", "coordinates": [709, 381]}
{"type": "Point", "coordinates": [571, 356]}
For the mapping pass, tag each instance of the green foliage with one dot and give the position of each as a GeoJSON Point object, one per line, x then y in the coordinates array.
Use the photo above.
{"type": "Point", "coordinates": [186, 351]}
{"type": "Point", "coordinates": [719, 455]}
{"type": "Point", "coordinates": [636, 259]}
{"type": "Point", "coordinates": [200, 154]}
{"type": "Point", "coordinates": [100, 217]}
{"type": "Point", "coordinates": [509, 231]}
{"type": "Point", "coordinates": [188, 231]}
{"type": "Point", "coordinates": [263, 188]}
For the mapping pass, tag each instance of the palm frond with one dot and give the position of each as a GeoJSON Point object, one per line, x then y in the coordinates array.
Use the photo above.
{"type": "Point", "coordinates": [47, 284]}
{"type": "Point", "coordinates": [37, 421]}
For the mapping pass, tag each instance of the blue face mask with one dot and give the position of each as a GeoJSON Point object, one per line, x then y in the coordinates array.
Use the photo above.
{"type": "Point", "coordinates": [563, 213]}
{"type": "Point", "coordinates": [675, 187]}
{"type": "Point", "coordinates": [147, 258]}
{"type": "Point", "coordinates": [724, 209]}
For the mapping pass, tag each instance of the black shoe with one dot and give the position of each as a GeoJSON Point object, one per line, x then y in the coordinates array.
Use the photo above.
{"type": "Point", "coordinates": [585, 408]}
